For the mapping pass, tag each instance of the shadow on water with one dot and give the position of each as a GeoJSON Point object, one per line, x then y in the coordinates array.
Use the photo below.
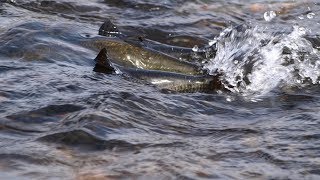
{"type": "Point", "coordinates": [61, 120]}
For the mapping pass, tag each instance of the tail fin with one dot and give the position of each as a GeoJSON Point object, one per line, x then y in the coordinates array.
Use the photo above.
{"type": "Point", "coordinates": [103, 64]}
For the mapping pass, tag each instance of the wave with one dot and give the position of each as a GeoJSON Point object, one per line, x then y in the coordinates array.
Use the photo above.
{"type": "Point", "coordinates": [255, 61]}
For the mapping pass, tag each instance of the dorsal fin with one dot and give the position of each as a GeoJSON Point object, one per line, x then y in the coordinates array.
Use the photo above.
{"type": "Point", "coordinates": [108, 29]}
{"type": "Point", "coordinates": [103, 64]}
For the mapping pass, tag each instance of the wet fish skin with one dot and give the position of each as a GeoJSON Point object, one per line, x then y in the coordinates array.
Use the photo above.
{"type": "Point", "coordinates": [177, 82]}
{"type": "Point", "coordinates": [136, 60]}
{"type": "Point", "coordinates": [134, 56]}
{"type": "Point", "coordinates": [164, 80]}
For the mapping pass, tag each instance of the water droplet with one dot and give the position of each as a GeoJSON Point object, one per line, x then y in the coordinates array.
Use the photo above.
{"type": "Point", "coordinates": [204, 61]}
{"type": "Point", "coordinates": [212, 42]}
{"type": "Point", "coordinates": [310, 15]}
{"type": "Point", "coordinates": [235, 61]}
{"type": "Point", "coordinates": [301, 17]}
{"type": "Point", "coordinates": [302, 31]}
{"type": "Point", "coordinates": [254, 100]}
{"type": "Point", "coordinates": [269, 15]}
{"type": "Point", "coordinates": [195, 48]}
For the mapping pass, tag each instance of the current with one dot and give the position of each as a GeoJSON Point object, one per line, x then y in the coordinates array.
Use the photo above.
{"type": "Point", "coordinates": [61, 120]}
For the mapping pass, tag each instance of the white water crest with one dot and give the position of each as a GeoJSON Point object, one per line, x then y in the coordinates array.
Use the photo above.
{"type": "Point", "coordinates": [254, 61]}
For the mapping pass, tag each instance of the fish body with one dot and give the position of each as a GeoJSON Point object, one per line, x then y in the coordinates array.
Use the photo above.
{"type": "Point", "coordinates": [135, 56]}
{"type": "Point", "coordinates": [171, 81]}
{"type": "Point", "coordinates": [134, 59]}
{"type": "Point", "coordinates": [176, 82]}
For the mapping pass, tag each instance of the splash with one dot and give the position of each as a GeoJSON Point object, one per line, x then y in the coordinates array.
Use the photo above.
{"type": "Point", "coordinates": [254, 61]}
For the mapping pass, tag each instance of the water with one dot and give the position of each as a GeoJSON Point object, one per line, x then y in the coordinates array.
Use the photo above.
{"type": "Point", "coordinates": [250, 58]}
{"type": "Point", "coordinates": [61, 120]}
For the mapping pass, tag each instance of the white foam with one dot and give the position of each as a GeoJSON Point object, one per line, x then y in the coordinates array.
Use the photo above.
{"type": "Point", "coordinates": [253, 61]}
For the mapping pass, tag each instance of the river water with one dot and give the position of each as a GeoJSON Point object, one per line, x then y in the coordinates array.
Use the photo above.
{"type": "Point", "coordinates": [61, 120]}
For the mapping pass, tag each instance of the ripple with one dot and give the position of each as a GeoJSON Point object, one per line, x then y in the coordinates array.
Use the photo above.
{"type": "Point", "coordinates": [46, 114]}
{"type": "Point", "coordinates": [85, 140]}
{"type": "Point", "coordinates": [40, 120]}
{"type": "Point", "coordinates": [61, 120]}
{"type": "Point", "coordinates": [143, 6]}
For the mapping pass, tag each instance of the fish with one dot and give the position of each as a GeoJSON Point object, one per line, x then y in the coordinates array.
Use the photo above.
{"type": "Point", "coordinates": [167, 81]}
{"type": "Point", "coordinates": [128, 55]}
{"type": "Point", "coordinates": [133, 52]}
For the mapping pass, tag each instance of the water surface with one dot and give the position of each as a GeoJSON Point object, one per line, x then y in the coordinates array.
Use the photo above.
{"type": "Point", "coordinates": [61, 120]}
